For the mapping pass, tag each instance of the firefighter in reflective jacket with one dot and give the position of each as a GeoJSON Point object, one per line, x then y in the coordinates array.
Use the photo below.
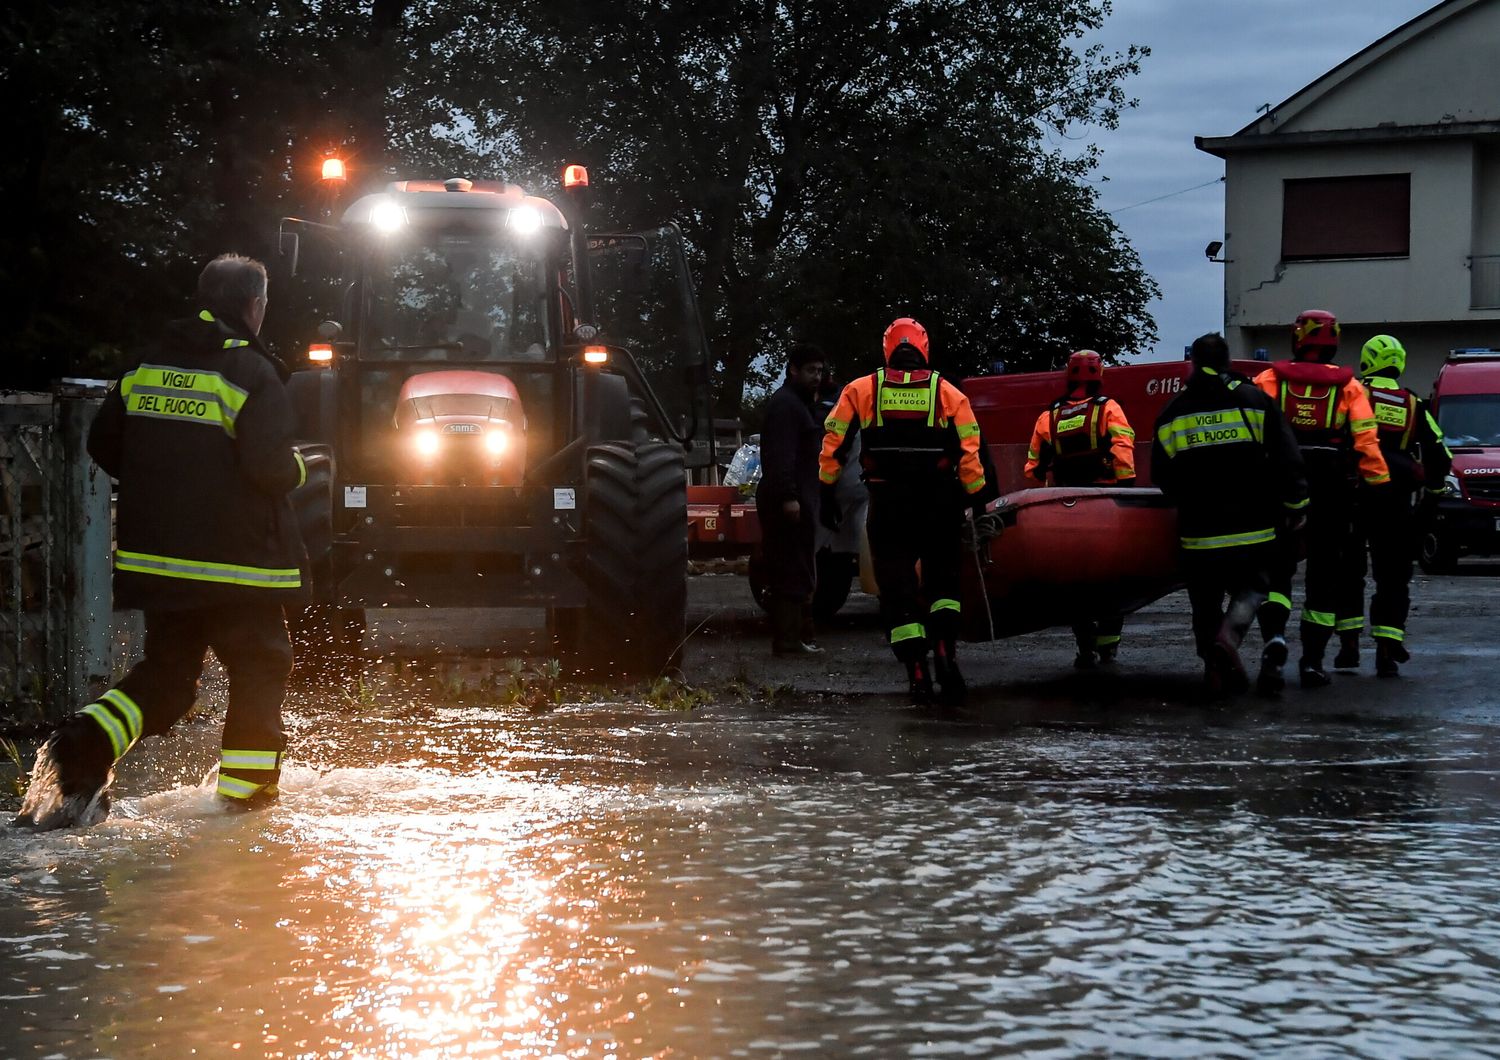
{"type": "Point", "coordinates": [1084, 439]}
{"type": "Point", "coordinates": [921, 461]}
{"type": "Point", "coordinates": [200, 438]}
{"type": "Point", "coordinates": [1330, 415]}
{"type": "Point", "coordinates": [1225, 458]}
{"type": "Point", "coordinates": [1412, 444]}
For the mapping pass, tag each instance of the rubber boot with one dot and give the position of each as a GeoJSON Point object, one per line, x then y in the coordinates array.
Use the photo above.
{"type": "Point", "coordinates": [919, 676]}
{"type": "Point", "coordinates": [1107, 652]}
{"type": "Point", "coordinates": [951, 684]}
{"type": "Point", "coordinates": [1387, 664]}
{"type": "Point", "coordinates": [1348, 656]}
{"type": "Point", "coordinates": [1269, 682]}
{"type": "Point", "coordinates": [1314, 643]}
{"type": "Point", "coordinates": [1083, 635]}
{"type": "Point", "coordinates": [70, 781]}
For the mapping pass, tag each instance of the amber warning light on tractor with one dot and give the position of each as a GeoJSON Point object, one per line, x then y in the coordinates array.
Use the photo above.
{"type": "Point", "coordinates": [575, 176]}
{"type": "Point", "coordinates": [333, 169]}
{"type": "Point", "coordinates": [320, 353]}
{"type": "Point", "coordinates": [595, 354]}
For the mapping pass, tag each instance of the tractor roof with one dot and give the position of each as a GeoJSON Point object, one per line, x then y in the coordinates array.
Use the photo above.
{"type": "Point", "coordinates": [428, 198]}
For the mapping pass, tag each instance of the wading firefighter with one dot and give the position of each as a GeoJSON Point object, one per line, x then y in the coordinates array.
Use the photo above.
{"type": "Point", "coordinates": [921, 458]}
{"type": "Point", "coordinates": [1224, 456]}
{"type": "Point", "coordinates": [1084, 439]}
{"type": "Point", "coordinates": [1412, 444]}
{"type": "Point", "coordinates": [1330, 415]}
{"type": "Point", "coordinates": [200, 438]}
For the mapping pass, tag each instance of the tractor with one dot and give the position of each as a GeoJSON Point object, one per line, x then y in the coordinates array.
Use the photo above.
{"type": "Point", "coordinates": [503, 413]}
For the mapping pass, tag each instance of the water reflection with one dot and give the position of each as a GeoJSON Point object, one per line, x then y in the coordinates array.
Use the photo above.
{"type": "Point", "coordinates": [845, 879]}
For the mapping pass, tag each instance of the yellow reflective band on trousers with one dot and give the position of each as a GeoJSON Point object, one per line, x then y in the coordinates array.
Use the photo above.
{"type": "Point", "coordinates": [235, 788]}
{"type": "Point", "coordinates": [189, 397]}
{"type": "Point", "coordinates": [249, 759]}
{"type": "Point", "coordinates": [1349, 625]}
{"type": "Point", "coordinates": [1388, 632]}
{"type": "Point", "coordinates": [1279, 600]}
{"type": "Point", "coordinates": [1318, 618]}
{"type": "Point", "coordinates": [945, 604]}
{"type": "Point", "coordinates": [202, 571]}
{"type": "Point", "coordinates": [1104, 640]}
{"type": "Point", "coordinates": [910, 631]}
{"type": "Point", "coordinates": [301, 467]}
{"type": "Point", "coordinates": [120, 718]}
{"type": "Point", "coordinates": [1293, 506]}
{"type": "Point", "coordinates": [1211, 428]}
{"type": "Point", "coordinates": [1252, 537]}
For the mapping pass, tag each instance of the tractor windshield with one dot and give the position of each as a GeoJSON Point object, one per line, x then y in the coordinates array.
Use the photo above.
{"type": "Point", "coordinates": [461, 297]}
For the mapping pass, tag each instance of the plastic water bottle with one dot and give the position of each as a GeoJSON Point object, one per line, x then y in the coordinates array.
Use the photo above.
{"type": "Point", "coordinates": [744, 469]}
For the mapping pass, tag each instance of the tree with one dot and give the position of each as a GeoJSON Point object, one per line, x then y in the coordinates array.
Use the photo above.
{"type": "Point", "coordinates": [834, 163]}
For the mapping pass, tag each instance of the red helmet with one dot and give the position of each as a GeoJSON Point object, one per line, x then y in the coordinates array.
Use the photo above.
{"type": "Point", "coordinates": [907, 330]}
{"type": "Point", "coordinates": [1315, 336]}
{"type": "Point", "coordinates": [1085, 366]}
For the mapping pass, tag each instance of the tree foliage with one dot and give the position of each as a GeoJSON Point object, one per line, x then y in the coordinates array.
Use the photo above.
{"type": "Point", "coordinates": [834, 163]}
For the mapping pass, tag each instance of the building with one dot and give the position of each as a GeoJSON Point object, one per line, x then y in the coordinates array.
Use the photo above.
{"type": "Point", "coordinates": [1374, 193]}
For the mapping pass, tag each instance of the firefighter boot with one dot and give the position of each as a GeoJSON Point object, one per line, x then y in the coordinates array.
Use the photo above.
{"type": "Point", "coordinates": [1387, 661]}
{"type": "Point", "coordinates": [1083, 635]}
{"type": "Point", "coordinates": [1314, 643]}
{"type": "Point", "coordinates": [1225, 670]}
{"type": "Point", "coordinates": [1269, 681]}
{"type": "Point", "coordinates": [952, 687]}
{"type": "Point", "coordinates": [919, 676]}
{"type": "Point", "coordinates": [786, 628]}
{"type": "Point", "coordinates": [1348, 656]}
{"type": "Point", "coordinates": [69, 784]}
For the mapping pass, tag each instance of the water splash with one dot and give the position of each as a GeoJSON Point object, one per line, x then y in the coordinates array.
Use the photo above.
{"type": "Point", "coordinates": [47, 806]}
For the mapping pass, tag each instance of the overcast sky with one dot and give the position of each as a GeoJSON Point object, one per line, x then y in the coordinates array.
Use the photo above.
{"type": "Point", "coordinates": [1212, 63]}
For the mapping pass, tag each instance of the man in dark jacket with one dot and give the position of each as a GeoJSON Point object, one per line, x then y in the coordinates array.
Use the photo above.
{"type": "Point", "coordinates": [787, 501]}
{"type": "Point", "coordinates": [1224, 455]}
{"type": "Point", "coordinates": [200, 438]}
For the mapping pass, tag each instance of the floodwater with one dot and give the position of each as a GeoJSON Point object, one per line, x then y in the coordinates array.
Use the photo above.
{"type": "Point", "coordinates": [788, 877]}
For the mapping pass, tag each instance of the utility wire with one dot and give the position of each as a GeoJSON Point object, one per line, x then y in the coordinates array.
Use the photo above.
{"type": "Point", "coordinates": [1168, 195]}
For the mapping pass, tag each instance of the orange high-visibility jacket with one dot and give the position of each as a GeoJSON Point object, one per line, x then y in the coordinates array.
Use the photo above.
{"type": "Point", "coordinates": [1090, 433]}
{"type": "Point", "coordinates": [1327, 407]}
{"type": "Point", "coordinates": [914, 423]}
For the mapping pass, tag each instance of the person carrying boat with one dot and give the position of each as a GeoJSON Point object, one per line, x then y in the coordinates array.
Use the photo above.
{"type": "Point", "coordinates": [200, 439]}
{"type": "Point", "coordinates": [1329, 413]}
{"type": "Point", "coordinates": [920, 454]}
{"type": "Point", "coordinates": [1224, 456]}
{"type": "Point", "coordinates": [1084, 439]}
{"type": "Point", "coordinates": [1412, 444]}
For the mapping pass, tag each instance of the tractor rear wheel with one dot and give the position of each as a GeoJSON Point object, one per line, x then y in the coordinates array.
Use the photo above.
{"type": "Point", "coordinates": [635, 565]}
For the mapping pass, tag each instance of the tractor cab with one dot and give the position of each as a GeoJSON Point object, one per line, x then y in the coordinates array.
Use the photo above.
{"type": "Point", "coordinates": [507, 405]}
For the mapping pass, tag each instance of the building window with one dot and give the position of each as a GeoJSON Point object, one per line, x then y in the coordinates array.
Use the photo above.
{"type": "Point", "coordinates": [1346, 217]}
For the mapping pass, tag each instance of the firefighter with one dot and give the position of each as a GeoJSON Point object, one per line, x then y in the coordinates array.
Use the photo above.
{"type": "Point", "coordinates": [921, 460]}
{"type": "Point", "coordinates": [1331, 418]}
{"type": "Point", "coordinates": [1412, 444]}
{"type": "Point", "coordinates": [1225, 457]}
{"type": "Point", "coordinates": [200, 438]}
{"type": "Point", "coordinates": [1084, 439]}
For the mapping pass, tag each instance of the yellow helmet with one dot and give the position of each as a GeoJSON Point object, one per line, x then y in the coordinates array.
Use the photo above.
{"type": "Point", "coordinates": [1382, 355]}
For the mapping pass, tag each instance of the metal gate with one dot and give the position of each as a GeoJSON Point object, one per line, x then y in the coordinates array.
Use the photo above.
{"type": "Point", "coordinates": [55, 535]}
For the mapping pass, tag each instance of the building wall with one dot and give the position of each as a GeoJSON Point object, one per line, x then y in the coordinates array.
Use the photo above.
{"type": "Point", "coordinates": [1445, 74]}
{"type": "Point", "coordinates": [1432, 285]}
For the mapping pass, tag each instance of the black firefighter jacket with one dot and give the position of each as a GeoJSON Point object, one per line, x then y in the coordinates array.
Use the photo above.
{"type": "Point", "coordinates": [199, 436]}
{"type": "Point", "coordinates": [1224, 455]}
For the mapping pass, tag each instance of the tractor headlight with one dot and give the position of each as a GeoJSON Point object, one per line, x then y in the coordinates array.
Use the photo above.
{"type": "Point", "coordinates": [496, 441]}
{"type": "Point", "coordinates": [525, 220]}
{"type": "Point", "coordinates": [388, 217]}
{"type": "Point", "coordinates": [427, 444]}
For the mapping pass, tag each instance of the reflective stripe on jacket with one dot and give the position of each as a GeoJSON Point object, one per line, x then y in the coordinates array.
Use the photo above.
{"type": "Point", "coordinates": [1410, 439]}
{"type": "Point", "coordinates": [1083, 441]}
{"type": "Point", "coordinates": [1327, 408]}
{"type": "Point", "coordinates": [915, 425]}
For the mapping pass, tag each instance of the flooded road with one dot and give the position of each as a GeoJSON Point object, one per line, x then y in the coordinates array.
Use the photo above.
{"type": "Point", "coordinates": [1076, 865]}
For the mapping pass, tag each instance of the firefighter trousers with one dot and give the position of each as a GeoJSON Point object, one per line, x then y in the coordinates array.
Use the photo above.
{"type": "Point", "coordinates": [251, 643]}
{"type": "Point", "coordinates": [1242, 574]}
{"type": "Point", "coordinates": [1332, 588]}
{"type": "Point", "coordinates": [1388, 526]}
{"type": "Point", "coordinates": [907, 527]}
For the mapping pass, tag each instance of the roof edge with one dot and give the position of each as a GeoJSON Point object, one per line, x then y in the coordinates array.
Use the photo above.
{"type": "Point", "coordinates": [1223, 146]}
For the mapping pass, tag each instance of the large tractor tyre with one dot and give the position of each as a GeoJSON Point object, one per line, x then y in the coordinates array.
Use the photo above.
{"type": "Point", "coordinates": [1437, 554]}
{"type": "Point", "coordinates": [635, 566]}
{"type": "Point", "coordinates": [327, 643]}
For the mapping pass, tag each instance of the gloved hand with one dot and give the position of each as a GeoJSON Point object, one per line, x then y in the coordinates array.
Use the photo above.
{"type": "Point", "coordinates": [1293, 522]}
{"type": "Point", "coordinates": [829, 512]}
